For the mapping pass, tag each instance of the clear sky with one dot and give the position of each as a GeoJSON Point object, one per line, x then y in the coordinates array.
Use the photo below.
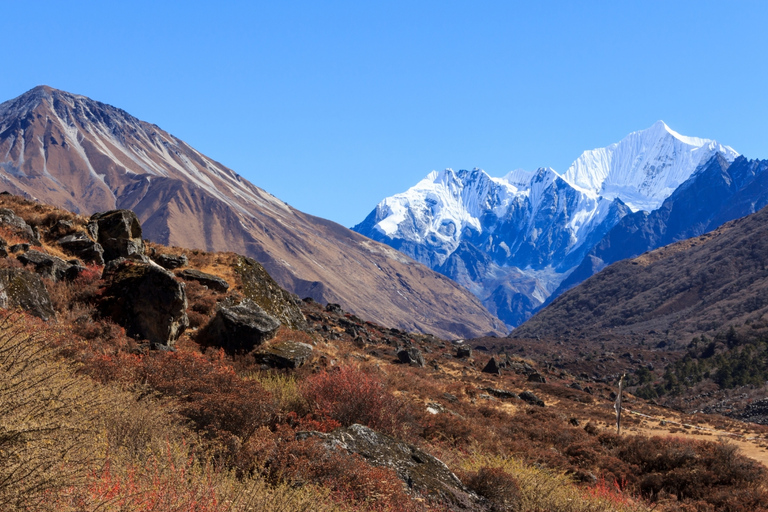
{"type": "Point", "coordinates": [332, 106]}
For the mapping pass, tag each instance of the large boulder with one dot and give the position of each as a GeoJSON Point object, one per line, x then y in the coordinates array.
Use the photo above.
{"type": "Point", "coordinates": [119, 233]}
{"type": "Point", "coordinates": [423, 473]}
{"type": "Point", "coordinates": [239, 328]}
{"type": "Point", "coordinates": [147, 300]}
{"type": "Point", "coordinates": [49, 266]}
{"type": "Point", "coordinates": [410, 355]}
{"type": "Point", "coordinates": [20, 288]}
{"type": "Point", "coordinates": [258, 286]}
{"type": "Point", "coordinates": [286, 354]}
{"type": "Point", "coordinates": [208, 280]}
{"type": "Point", "coordinates": [80, 245]}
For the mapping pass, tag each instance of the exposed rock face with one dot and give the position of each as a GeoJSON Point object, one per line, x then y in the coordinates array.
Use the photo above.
{"type": "Point", "coordinates": [410, 355]}
{"type": "Point", "coordinates": [424, 473]}
{"type": "Point", "coordinates": [208, 280]}
{"type": "Point", "coordinates": [83, 247]}
{"type": "Point", "coordinates": [259, 287]}
{"type": "Point", "coordinates": [51, 140]}
{"type": "Point", "coordinates": [119, 233]}
{"type": "Point", "coordinates": [22, 289]}
{"type": "Point", "coordinates": [49, 266]}
{"type": "Point", "coordinates": [147, 300]}
{"type": "Point", "coordinates": [240, 328]}
{"type": "Point", "coordinates": [287, 354]}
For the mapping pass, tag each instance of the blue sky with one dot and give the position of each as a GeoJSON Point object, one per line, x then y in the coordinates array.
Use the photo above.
{"type": "Point", "coordinates": [331, 106]}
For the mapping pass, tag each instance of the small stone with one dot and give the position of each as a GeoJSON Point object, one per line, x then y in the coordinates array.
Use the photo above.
{"type": "Point", "coordinates": [532, 399]}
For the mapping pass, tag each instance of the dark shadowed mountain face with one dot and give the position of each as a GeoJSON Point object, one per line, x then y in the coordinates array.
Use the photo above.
{"type": "Point", "coordinates": [86, 156]}
{"type": "Point", "coordinates": [700, 285]}
{"type": "Point", "coordinates": [719, 192]}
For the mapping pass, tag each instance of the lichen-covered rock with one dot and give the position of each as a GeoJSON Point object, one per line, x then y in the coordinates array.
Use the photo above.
{"type": "Point", "coordinates": [147, 300]}
{"type": "Point", "coordinates": [119, 233]}
{"type": "Point", "coordinates": [286, 354]}
{"type": "Point", "coordinates": [80, 245]}
{"type": "Point", "coordinates": [20, 288]}
{"type": "Point", "coordinates": [422, 472]}
{"type": "Point", "coordinates": [258, 286]}
{"type": "Point", "coordinates": [208, 280]}
{"type": "Point", "coordinates": [240, 328]}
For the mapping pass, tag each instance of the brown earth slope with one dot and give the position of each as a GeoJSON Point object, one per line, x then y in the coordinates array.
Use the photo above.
{"type": "Point", "coordinates": [698, 286]}
{"type": "Point", "coordinates": [86, 156]}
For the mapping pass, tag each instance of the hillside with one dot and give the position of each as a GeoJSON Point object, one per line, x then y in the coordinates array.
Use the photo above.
{"type": "Point", "coordinates": [718, 192]}
{"type": "Point", "coordinates": [700, 285]}
{"type": "Point", "coordinates": [317, 414]}
{"type": "Point", "coordinates": [86, 156]}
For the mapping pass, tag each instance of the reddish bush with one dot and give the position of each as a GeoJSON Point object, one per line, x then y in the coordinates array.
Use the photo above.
{"type": "Point", "coordinates": [350, 395]}
{"type": "Point", "coordinates": [214, 397]}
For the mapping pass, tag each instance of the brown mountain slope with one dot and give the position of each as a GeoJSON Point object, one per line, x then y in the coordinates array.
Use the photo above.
{"type": "Point", "coordinates": [86, 156]}
{"type": "Point", "coordinates": [700, 285]}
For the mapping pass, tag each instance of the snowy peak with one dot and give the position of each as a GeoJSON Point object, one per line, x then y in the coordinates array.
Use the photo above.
{"type": "Point", "coordinates": [645, 167]}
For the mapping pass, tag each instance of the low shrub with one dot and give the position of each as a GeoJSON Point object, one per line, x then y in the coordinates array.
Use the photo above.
{"type": "Point", "coordinates": [349, 394]}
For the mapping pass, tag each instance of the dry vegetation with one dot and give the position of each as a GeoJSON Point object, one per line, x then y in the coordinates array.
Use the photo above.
{"type": "Point", "coordinates": [91, 420]}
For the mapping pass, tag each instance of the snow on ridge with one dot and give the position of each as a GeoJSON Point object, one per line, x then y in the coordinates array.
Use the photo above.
{"type": "Point", "coordinates": [644, 168]}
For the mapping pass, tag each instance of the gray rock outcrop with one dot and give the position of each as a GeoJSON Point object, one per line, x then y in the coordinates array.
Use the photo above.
{"type": "Point", "coordinates": [119, 233]}
{"type": "Point", "coordinates": [49, 266]}
{"type": "Point", "coordinates": [80, 245]}
{"type": "Point", "coordinates": [423, 473]}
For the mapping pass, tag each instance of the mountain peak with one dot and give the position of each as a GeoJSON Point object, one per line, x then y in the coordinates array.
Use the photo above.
{"type": "Point", "coordinates": [645, 167]}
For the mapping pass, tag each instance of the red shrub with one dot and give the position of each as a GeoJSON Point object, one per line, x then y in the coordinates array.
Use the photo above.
{"type": "Point", "coordinates": [214, 397]}
{"type": "Point", "coordinates": [350, 395]}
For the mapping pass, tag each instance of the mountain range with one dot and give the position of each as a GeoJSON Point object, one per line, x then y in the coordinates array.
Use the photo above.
{"type": "Point", "coordinates": [86, 156]}
{"type": "Point", "coordinates": [518, 241]}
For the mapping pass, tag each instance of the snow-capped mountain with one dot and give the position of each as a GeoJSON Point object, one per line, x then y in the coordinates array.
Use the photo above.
{"type": "Point", "coordinates": [512, 240]}
{"type": "Point", "coordinates": [645, 167]}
